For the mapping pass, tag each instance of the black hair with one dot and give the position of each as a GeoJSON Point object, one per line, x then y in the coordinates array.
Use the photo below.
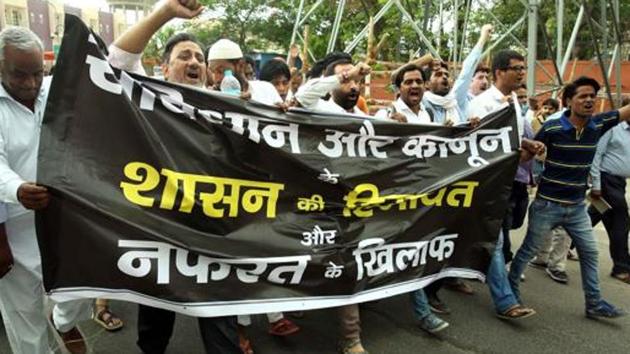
{"type": "Point", "coordinates": [249, 60]}
{"type": "Point", "coordinates": [551, 102]}
{"type": "Point", "coordinates": [330, 69]}
{"type": "Point", "coordinates": [428, 70]}
{"type": "Point", "coordinates": [481, 68]}
{"type": "Point", "coordinates": [320, 66]}
{"type": "Point", "coordinates": [571, 89]}
{"type": "Point", "coordinates": [400, 73]}
{"type": "Point", "coordinates": [502, 58]}
{"type": "Point", "coordinates": [522, 85]}
{"type": "Point", "coordinates": [274, 68]}
{"type": "Point", "coordinates": [175, 40]}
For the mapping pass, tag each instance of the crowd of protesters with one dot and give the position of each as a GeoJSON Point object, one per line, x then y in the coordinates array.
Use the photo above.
{"type": "Point", "coordinates": [564, 148]}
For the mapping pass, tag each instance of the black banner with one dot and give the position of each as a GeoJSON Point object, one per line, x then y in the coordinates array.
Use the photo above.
{"type": "Point", "coordinates": [209, 205]}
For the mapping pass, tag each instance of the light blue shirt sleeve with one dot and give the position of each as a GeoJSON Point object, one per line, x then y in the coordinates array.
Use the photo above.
{"type": "Point", "coordinates": [462, 84]}
{"type": "Point", "coordinates": [602, 146]}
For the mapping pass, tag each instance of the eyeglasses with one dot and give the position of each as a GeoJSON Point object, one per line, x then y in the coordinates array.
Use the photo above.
{"type": "Point", "coordinates": [516, 68]}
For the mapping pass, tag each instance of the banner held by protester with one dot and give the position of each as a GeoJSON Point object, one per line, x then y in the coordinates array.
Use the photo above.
{"type": "Point", "coordinates": [208, 205]}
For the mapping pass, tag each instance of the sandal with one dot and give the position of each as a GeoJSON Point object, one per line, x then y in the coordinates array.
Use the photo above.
{"type": "Point", "coordinates": [243, 342]}
{"type": "Point", "coordinates": [346, 346]}
{"type": "Point", "coordinates": [516, 312]}
{"type": "Point", "coordinates": [107, 320]}
{"type": "Point", "coordinates": [624, 277]}
{"type": "Point", "coordinates": [283, 327]}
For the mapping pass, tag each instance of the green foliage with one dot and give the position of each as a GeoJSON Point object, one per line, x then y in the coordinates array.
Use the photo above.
{"type": "Point", "coordinates": [267, 25]}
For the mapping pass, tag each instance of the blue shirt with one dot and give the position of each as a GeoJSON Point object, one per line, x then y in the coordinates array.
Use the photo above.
{"type": "Point", "coordinates": [570, 155]}
{"type": "Point", "coordinates": [613, 154]}
{"type": "Point", "coordinates": [460, 88]}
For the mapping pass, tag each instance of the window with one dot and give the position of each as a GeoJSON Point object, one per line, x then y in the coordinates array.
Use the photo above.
{"type": "Point", "coordinates": [13, 16]}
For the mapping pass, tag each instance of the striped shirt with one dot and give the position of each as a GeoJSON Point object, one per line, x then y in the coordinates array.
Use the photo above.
{"type": "Point", "coordinates": [569, 156]}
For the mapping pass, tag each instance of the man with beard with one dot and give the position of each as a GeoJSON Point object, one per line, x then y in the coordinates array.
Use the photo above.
{"type": "Point", "coordinates": [571, 143]}
{"type": "Point", "coordinates": [450, 103]}
{"type": "Point", "coordinates": [226, 55]}
{"type": "Point", "coordinates": [341, 82]}
{"type": "Point", "coordinates": [480, 81]}
{"type": "Point", "coordinates": [183, 63]}
{"type": "Point", "coordinates": [23, 95]}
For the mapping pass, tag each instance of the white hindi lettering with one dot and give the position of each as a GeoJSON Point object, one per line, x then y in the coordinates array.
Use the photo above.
{"type": "Point", "coordinates": [328, 177]}
{"type": "Point", "coordinates": [396, 257]}
{"type": "Point", "coordinates": [333, 271]}
{"type": "Point", "coordinates": [427, 146]}
{"type": "Point", "coordinates": [137, 263]}
{"type": "Point", "coordinates": [144, 252]}
{"type": "Point", "coordinates": [319, 237]}
{"type": "Point", "coordinates": [356, 145]}
{"type": "Point", "coordinates": [274, 135]}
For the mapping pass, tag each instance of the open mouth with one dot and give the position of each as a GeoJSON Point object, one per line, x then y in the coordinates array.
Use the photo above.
{"type": "Point", "coordinates": [414, 94]}
{"type": "Point", "coordinates": [192, 75]}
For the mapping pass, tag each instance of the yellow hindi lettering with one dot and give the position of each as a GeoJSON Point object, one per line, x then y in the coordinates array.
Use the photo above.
{"type": "Point", "coordinates": [256, 196]}
{"type": "Point", "coordinates": [147, 182]}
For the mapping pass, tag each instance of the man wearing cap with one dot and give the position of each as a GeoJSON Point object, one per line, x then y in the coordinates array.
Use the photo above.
{"type": "Point", "coordinates": [226, 55]}
{"type": "Point", "coordinates": [184, 63]}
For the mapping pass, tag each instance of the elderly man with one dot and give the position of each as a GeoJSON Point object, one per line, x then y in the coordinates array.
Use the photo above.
{"type": "Point", "coordinates": [23, 97]}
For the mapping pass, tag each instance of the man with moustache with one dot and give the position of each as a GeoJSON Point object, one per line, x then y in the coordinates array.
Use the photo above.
{"type": "Point", "coordinates": [450, 104]}
{"type": "Point", "coordinates": [571, 143]}
{"type": "Point", "coordinates": [183, 63]}
{"type": "Point", "coordinates": [340, 82]}
{"type": "Point", "coordinates": [23, 96]}
{"type": "Point", "coordinates": [408, 108]}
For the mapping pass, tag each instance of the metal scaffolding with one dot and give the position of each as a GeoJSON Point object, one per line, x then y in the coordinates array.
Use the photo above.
{"type": "Point", "coordinates": [608, 47]}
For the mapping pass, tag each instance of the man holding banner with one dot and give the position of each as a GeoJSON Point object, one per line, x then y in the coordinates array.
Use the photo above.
{"type": "Point", "coordinates": [23, 96]}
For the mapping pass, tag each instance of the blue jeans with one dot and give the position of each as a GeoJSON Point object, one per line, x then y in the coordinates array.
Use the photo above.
{"type": "Point", "coordinates": [498, 284]}
{"type": "Point", "coordinates": [544, 216]}
{"type": "Point", "coordinates": [420, 304]}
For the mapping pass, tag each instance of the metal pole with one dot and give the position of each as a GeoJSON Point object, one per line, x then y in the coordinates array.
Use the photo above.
{"type": "Point", "coordinates": [310, 12]}
{"type": "Point", "coordinates": [589, 21]}
{"type": "Point", "coordinates": [559, 31]}
{"type": "Point", "coordinates": [507, 33]}
{"type": "Point", "coordinates": [415, 27]}
{"type": "Point", "coordinates": [365, 29]}
{"type": "Point", "coordinates": [617, 60]}
{"type": "Point", "coordinates": [455, 24]}
{"type": "Point", "coordinates": [532, 44]}
{"type": "Point", "coordinates": [576, 28]}
{"type": "Point", "coordinates": [297, 21]}
{"type": "Point", "coordinates": [464, 31]}
{"type": "Point", "coordinates": [336, 25]}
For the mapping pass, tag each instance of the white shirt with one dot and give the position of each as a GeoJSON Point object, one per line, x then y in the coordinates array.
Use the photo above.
{"type": "Point", "coordinates": [310, 96]}
{"type": "Point", "coordinates": [261, 91]}
{"type": "Point", "coordinates": [400, 106]}
{"type": "Point", "coordinates": [264, 92]}
{"type": "Point", "coordinates": [19, 144]}
{"type": "Point", "coordinates": [487, 102]}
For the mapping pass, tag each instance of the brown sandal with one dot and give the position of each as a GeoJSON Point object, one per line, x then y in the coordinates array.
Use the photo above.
{"type": "Point", "coordinates": [107, 320]}
{"type": "Point", "coordinates": [624, 277]}
{"type": "Point", "coordinates": [516, 312]}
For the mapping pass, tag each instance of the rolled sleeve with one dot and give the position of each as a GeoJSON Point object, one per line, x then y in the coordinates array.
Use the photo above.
{"type": "Point", "coordinates": [126, 61]}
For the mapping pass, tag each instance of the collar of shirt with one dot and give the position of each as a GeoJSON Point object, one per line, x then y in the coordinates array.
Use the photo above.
{"type": "Point", "coordinates": [625, 125]}
{"type": "Point", "coordinates": [566, 124]}
{"type": "Point", "coordinates": [423, 116]}
{"type": "Point", "coordinates": [5, 94]}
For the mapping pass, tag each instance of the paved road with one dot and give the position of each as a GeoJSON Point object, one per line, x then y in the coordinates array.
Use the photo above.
{"type": "Point", "coordinates": [389, 327]}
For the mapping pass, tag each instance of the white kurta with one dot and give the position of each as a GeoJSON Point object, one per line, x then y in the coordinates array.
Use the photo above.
{"type": "Point", "coordinates": [22, 293]}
